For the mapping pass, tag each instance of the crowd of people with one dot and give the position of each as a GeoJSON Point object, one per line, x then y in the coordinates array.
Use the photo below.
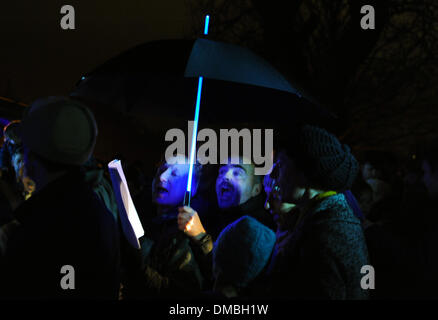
{"type": "Point", "coordinates": [303, 231]}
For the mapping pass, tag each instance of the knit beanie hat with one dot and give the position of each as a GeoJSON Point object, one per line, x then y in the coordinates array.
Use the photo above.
{"type": "Point", "coordinates": [242, 251]}
{"type": "Point", "coordinates": [324, 160]}
{"type": "Point", "coordinates": [60, 130]}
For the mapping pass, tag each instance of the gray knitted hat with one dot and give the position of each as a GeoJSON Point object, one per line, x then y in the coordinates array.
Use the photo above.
{"type": "Point", "coordinates": [242, 251]}
{"type": "Point", "coordinates": [325, 159]}
{"type": "Point", "coordinates": [60, 130]}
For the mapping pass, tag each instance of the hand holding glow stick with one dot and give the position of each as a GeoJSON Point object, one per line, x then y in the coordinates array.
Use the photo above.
{"type": "Point", "coordinates": [189, 222]}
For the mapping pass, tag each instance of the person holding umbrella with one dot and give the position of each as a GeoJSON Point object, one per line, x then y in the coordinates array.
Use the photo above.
{"type": "Point", "coordinates": [167, 266]}
{"type": "Point", "coordinates": [239, 193]}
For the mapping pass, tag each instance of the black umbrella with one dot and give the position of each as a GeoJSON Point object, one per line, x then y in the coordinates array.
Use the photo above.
{"type": "Point", "coordinates": [160, 78]}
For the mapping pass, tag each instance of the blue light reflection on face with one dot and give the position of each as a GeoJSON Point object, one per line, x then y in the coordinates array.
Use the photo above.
{"type": "Point", "coordinates": [234, 185]}
{"type": "Point", "coordinates": [169, 185]}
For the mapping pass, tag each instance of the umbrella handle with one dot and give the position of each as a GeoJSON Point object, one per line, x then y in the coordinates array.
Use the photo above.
{"type": "Point", "coordinates": [187, 197]}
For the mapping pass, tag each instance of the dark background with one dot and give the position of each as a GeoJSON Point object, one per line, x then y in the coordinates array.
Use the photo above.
{"type": "Point", "coordinates": [38, 58]}
{"type": "Point", "coordinates": [381, 83]}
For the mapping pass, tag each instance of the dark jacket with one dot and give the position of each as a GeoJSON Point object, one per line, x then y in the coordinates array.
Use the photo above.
{"type": "Point", "coordinates": [168, 267]}
{"type": "Point", "coordinates": [64, 224]}
{"type": "Point", "coordinates": [95, 177]}
{"type": "Point", "coordinates": [322, 256]}
{"type": "Point", "coordinates": [404, 252]}
{"type": "Point", "coordinates": [214, 222]}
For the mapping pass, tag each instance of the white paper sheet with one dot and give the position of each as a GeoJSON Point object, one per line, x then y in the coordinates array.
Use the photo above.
{"type": "Point", "coordinates": [131, 224]}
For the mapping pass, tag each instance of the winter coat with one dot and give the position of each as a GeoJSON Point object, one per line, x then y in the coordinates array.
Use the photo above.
{"type": "Point", "coordinates": [322, 255]}
{"type": "Point", "coordinates": [95, 177]}
{"type": "Point", "coordinates": [64, 224]}
{"type": "Point", "coordinates": [167, 266]}
{"type": "Point", "coordinates": [214, 222]}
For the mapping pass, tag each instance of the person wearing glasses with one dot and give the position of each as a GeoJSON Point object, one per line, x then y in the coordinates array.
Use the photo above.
{"type": "Point", "coordinates": [320, 248]}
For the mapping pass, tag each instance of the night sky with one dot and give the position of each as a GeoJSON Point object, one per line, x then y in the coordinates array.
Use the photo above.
{"type": "Point", "coordinates": [38, 58]}
{"type": "Point", "coordinates": [381, 83]}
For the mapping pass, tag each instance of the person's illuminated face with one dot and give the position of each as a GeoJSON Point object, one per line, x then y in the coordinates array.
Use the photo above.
{"type": "Point", "coordinates": [29, 163]}
{"type": "Point", "coordinates": [284, 187]}
{"type": "Point", "coordinates": [17, 164]}
{"type": "Point", "coordinates": [235, 184]}
{"type": "Point", "coordinates": [170, 182]}
{"type": "Point", "coordinates": [430, 179]}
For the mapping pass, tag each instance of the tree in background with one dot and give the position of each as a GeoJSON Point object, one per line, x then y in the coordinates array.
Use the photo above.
{"type": "Point", "coordinates": [379, 82]}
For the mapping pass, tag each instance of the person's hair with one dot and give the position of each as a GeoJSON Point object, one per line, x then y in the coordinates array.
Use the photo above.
{"type": "Point", "coordinates": [197, 171]}
{"type": "Point", "coordinates": [257, 178]}
{"type": "Point", "coordinates": [135, 177]}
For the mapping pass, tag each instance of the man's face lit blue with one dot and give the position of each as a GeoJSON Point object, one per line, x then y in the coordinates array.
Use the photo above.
{"type": "Point", "coordinates": [170, 182]}
{"type": "Point", "coordinates": [234, 185]}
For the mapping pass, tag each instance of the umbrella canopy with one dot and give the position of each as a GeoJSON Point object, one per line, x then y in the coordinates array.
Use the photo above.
{"type": "Point", "coordinates": [224, 61]}
{"type": "Point", "coordinates": [159, 79]}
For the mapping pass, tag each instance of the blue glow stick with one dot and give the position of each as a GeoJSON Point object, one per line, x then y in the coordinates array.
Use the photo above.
{"type": "Point", "coordinates": [195, 129]}
{"type": "Point", "coordinates": [207, 21]}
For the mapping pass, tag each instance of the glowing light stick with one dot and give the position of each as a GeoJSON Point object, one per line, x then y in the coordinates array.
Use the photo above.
{"type": "Point", "coordinates": [195, 129]}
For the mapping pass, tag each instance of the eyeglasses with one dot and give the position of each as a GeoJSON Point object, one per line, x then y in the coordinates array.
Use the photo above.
{"type": "Point", "coordinates": [272, 188]}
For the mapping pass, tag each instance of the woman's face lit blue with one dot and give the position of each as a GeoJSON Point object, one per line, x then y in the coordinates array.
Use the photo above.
{"type": "Point", "coordinates": [170, 182]}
